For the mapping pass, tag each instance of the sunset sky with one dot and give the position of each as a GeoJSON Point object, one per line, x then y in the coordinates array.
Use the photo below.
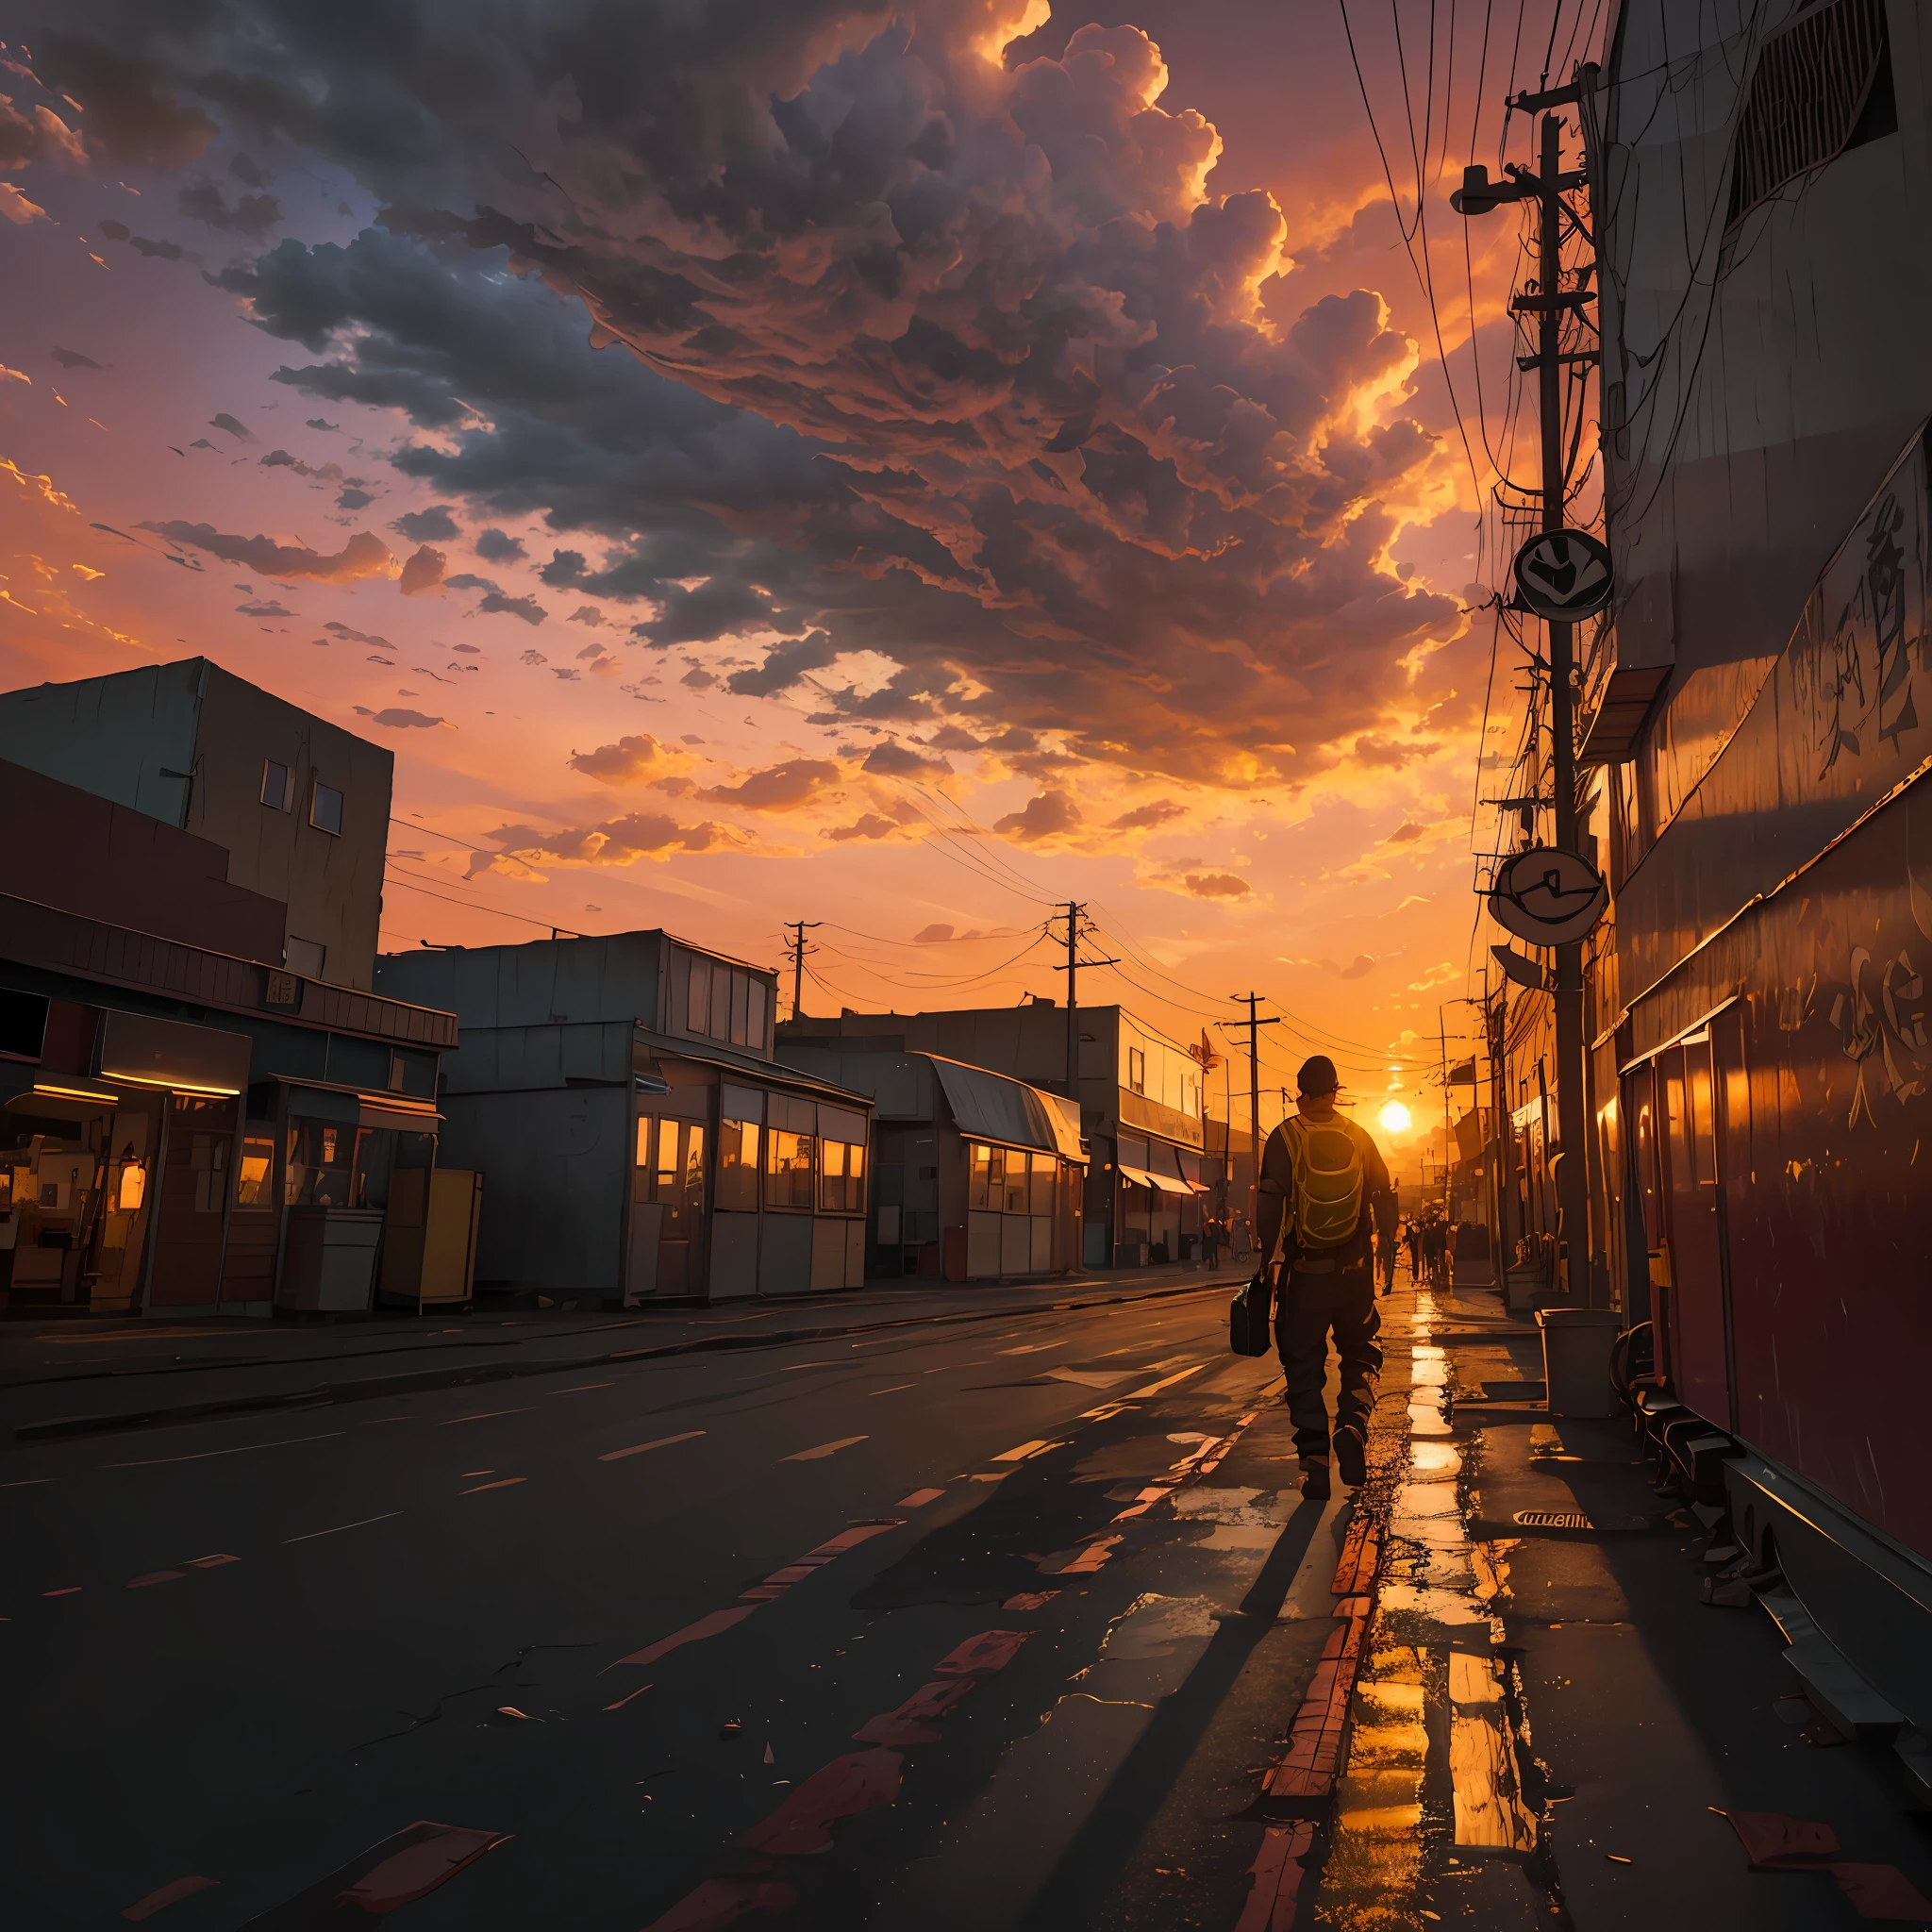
{"type": "Point", "coordinates": [898, 466]}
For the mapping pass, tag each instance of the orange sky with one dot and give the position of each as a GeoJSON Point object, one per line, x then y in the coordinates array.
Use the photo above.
{"type": "Point", "coordinates": [1009, 625]}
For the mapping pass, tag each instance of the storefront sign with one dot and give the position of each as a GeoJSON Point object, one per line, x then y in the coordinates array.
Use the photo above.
{"type": "Point", "coordinates": [168, 1053]}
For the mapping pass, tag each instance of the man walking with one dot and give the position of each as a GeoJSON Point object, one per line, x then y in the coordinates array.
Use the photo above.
{"type": "Point", "coordinates": [1325, 1191]}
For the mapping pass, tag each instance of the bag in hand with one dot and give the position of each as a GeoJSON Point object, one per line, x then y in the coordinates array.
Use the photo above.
{"type": "Point", "coordinates": [1247, 1317]}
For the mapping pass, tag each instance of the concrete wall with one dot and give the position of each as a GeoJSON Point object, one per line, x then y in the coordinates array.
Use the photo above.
{"type": "Point", "coordinates": [332, 884]}
{"type": "Point", "coordinates": [89, 856]}
{"type": "Point", "coordinates": [129, 737]}
{"type": "Point", "coordinates": [555, 1165]}
{"type": "Point", "coordinates": [543, 983]}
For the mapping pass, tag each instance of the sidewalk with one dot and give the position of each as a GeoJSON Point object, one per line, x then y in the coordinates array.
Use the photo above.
{"type": "Point", "coordinates": [69, 1377]}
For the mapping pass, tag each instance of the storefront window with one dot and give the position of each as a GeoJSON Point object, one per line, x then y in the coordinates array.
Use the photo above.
{"type": "Point", "coordinates": [841, 1179]}
{"type": "Point", "coordinates": [251, 1179]}
{"type": "Point", "coordinates": [1015, 1193]}
{"type": "Point", "coordinates": [738, 1165]}
{"type": "Point", "coordinates": [320, 1164]}
{"type": "Point", "coordinates": [788, 1168]}
{"type": "Point", "coordinates": [1045, 1171]}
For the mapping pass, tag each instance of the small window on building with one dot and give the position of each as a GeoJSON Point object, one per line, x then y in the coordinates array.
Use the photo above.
{"type": "Point", "coordinates": [326, 808]}
{"type": "Point", "coordinates": [842, 1177]}
{"type": "Point", "coordinates": [252, 1177]}
{"type": "Point", "coordinates": [1045, 1174]}
{"type": "Point", "coordinates": [788, 1168]}
{"type": "Point", "coordinates": [697, 1009]}
{"type": "Point", "coordinates": [306, 957]}
{"type": "Point", "coordinates": [1136, 1069]}
{"type": "Point", "coordinates": [738, 1165]}
{"type": "Point", "coordinates": [1822, 85]}
{"type": "Point", "coordinates": [755, 1020]}
{"type": "Point", "coordinates": [277, 785]}
{"type": "Point", "coordinates": [1014, 1195]}
{"type": "Point", "coordinates": [981, 1184]}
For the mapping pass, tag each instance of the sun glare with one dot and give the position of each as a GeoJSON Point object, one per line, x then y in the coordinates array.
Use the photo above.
{"type": "Point", "coordinates": [1394, 1118]}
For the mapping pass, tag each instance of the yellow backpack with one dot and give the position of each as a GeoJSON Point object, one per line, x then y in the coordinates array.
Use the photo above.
{"type": "Point", "coordinates": [1328, 1176]}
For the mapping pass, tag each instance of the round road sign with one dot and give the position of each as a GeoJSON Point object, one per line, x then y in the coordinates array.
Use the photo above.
{"type": "Point", "coordinates": [1547, 897]}
{"type": "Point", "coordinates": [1563, 576]}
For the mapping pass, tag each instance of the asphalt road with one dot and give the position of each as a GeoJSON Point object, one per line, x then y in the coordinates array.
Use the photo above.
{"type": "Point", "coordinates": [658, 1625]}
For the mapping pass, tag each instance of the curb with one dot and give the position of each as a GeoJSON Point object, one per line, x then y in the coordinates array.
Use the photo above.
{"type": "Point", "coordinates": [369, 1388]}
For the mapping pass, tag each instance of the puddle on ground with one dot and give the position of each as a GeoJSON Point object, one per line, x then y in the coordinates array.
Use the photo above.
{"type": "Point", "coordinates": [1152, 1625]}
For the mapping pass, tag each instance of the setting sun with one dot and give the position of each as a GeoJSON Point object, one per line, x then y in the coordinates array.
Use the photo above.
{"type": "Point", "coordinates": [1393, 1118]}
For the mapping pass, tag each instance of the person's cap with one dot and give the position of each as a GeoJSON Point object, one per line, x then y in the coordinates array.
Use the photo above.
{"type": "Point", "coordinates": [1318, 1075]}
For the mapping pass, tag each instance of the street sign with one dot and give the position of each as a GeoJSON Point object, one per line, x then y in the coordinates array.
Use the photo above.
{"type": "Point", "coordinates": [1563, 576]}
{"type": "Point", "coordinates": [1523, 971]}
{"type": "Point", "coordinates": [1547, 897]}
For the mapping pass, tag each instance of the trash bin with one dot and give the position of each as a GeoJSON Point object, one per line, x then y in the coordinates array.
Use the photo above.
{"type": "Point", "coordinates": [1577, 1359]}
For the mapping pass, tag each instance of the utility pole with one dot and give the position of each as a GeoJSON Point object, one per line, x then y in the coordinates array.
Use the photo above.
{"type": "Point", "coordinates": [798, 928]}
{"type": "Point", "coordinates": [1254, 1025]}
{"type": "Point", "coordinates": [1547, 186]}
{"type": "Point", "coordinates": [1075, 909]}
{"type": "Point", "coordinates": [1448, 1133]}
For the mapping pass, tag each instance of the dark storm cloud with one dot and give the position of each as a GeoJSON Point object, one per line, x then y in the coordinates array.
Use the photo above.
{"type": "Point", "coordinates": [251, 216]}
{"type": "Point", "coordinates": [73, 358]}
{"type": "Point", "coordinates": [970, 372]}
{"type": "Point", "coordinates": [498, 546]}
{"type": "Point", "coordinates": [432, 526]}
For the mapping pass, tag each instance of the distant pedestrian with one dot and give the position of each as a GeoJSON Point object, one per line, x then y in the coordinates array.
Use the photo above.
{"type": "Point", "coordinates": [1412, 1240]}
{"type": "Point", "coordinates": [1325, 1194]}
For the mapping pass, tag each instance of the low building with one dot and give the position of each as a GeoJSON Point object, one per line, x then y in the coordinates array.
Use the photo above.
{"type": "Point", "coordinates": [976, 1177]}
{"type": "Point", "coordinates": [299, 806]}
{"type": "Point", "coordinates": [1143, 1111]}
{"type": "Point", "coordinates": [180, 1113]}
{"type": "Point", "coordinates": [640, 1139]}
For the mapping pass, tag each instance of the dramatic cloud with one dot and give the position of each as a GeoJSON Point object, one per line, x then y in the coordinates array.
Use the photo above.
{"type": "Point", "coordinates": [617, 841]}
{"type": "Point", "coordinates": [1216, 884]}
{"type": "Point", "coordinates": [357, 637]}
{"type": "Point", "coordinates": [432, 526]}
{"type": "Point", "coordinates": [231, 425]}
{"type": "Point", "coordinates": [362, 555]}
{"type": "Point", "coordinates": [271, 609]}
{"type": "Point", "coordinates": [73, 358]}
{"type": "Point", "coordinates": [1405, 832]}
{"type": "Point", "coordinates": [896, 761]}
{"type": "Point", "coordinates": [1143, 818]}
{"type": "Point", "coordinates": [973, 373]}
{"type": "Point", "coordinates": [38, 135]}
{"type": "Point", "coordinates": [422, 573]}
{"type": "Point", "coordinates": [163, 250]}
{"type": "Point", "coordinates": [780, 788]}
{"type": "Point", "coordinates": [640, 760]}
{"type": "Point", "coordinates": [331, 473]}
{"type": "Point", "coordinates": [251, 216]}
{"type": "Point", "coordinates": [1051, 815]}
{"type": "Point", "coordinates": [497, 546]}
{"type": "Point", "coordinates": [401, 719]}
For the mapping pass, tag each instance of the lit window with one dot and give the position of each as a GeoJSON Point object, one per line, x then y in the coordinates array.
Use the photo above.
{"type": "Point", "coordinates": [251, 1180]}
{"type": "Point", "coordinates": [788, 1168]}
{"type": "Point", "coordinates": [981, 1195]}
{"type": "Point", "coordinates": [841, 1179]}
{"type": "Point", "coordinates": [738, 1165]}
{"type": "Point", "coordinates": [1136, 1069]}
{"type": "Point", "coordinates": [326, 808]}
{"type": "Point", "coordinates": [277, 785]}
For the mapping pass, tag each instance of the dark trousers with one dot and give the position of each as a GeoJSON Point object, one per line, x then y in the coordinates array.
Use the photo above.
{"type": "Point", "coordinates": [1311, 1306]}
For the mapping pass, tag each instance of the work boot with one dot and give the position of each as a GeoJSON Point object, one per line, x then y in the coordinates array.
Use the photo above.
{"type": "Point", "coordinates": [1349, 1458]}
{"type": "Point", "coordinates": [1315, 1480]}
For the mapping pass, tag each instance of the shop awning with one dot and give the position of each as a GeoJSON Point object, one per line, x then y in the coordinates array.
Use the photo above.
{"type": "Point", "coordinates": [994, 1108]}
{"type": "Point", "coordinates": [355, 1107]}
{"type": "Point", "coordinates": [1165, 1182]}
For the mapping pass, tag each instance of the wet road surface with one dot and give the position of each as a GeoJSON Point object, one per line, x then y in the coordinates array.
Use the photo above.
{"type": "Point", "coordinates": [1022, 1624]}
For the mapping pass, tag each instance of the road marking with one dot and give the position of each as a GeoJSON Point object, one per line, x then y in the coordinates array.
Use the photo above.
{"type": "Point", "coordinates": [1155, 1387]}
{"type": "Point", "coordinates": [638, 1448]}
{"type": "Point", "coordinates": [362, 1523]}
{"type": "Point", "coordinates": [484, 1415]}
{"type": "Point", "coordinates": [823, 1449]}
{"type": "Point", "coordinates": [282, 1442]}
{"type": "Point", "coordinates": [508, 1482]}
{"type": "Point", "coordinates": [895, 1388]}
